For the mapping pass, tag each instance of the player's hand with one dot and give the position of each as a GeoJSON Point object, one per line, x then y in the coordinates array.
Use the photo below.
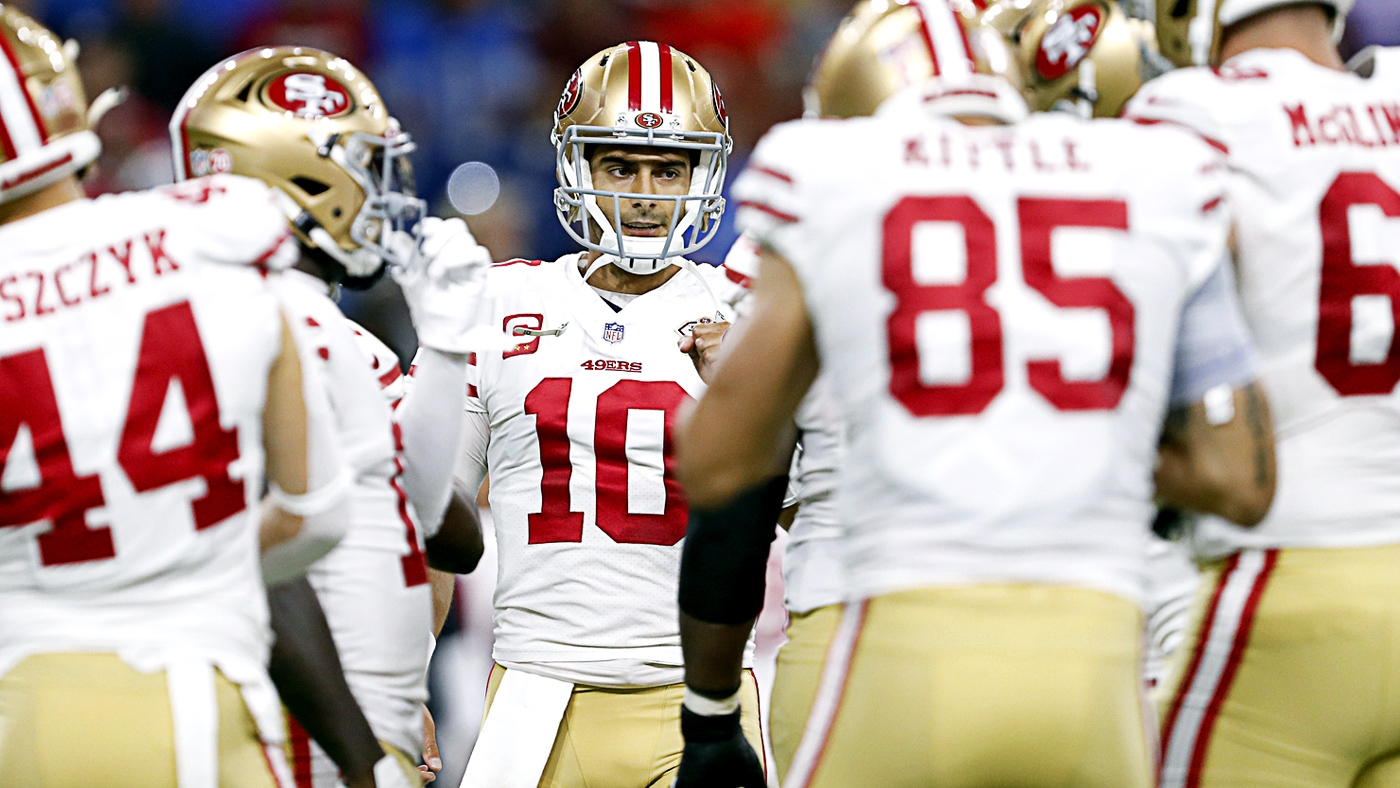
{"type": "Point", "coordinates": [703, 347]}
{"type": "Point", "coordinates": [432, 760]}
{"type": "Point", "coordinates": [716, 754]}
{"type": "Point", "coordinates": [443, 284]}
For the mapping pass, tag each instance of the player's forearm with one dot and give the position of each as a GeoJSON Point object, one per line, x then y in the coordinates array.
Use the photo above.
{"type": "Point", "coordinates": [1220, 466]}
{"type": "Point", "coordinates": [741, 432]}
{"type": "Point", "coordinates": [306, 669]}
{"type": "Point", "coordinates": [458, 545]}
{"type": "Point", "coordinates": [430, 417]}
{"type": "Point", "coordinates": [723, 568]}
{"type": "Point", "coordinates": [714, 654]}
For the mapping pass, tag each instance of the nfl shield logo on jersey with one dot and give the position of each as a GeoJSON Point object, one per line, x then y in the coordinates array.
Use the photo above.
{"type": "Point", "coordinates": [612, 332]}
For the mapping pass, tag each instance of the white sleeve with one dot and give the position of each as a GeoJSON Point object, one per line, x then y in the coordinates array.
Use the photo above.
{"type": "Point", "coordinates": [430, 418]}
{"type": "Point", "coordinates": [471, 457]}
{"type": "Point", "coordinates": [325, 506]}
{"type": "Point", "coordinates": [1213, 345]}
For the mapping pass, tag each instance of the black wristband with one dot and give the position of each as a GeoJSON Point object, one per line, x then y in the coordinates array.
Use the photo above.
{"type": "Point", "coordinates": [699, 728]}
{"type": "Point", "coordinates": [725, 559]}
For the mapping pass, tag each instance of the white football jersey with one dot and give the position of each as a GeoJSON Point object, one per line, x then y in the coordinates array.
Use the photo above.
{"type": "Point", "coordinates": [374, 585]}
{"type": "Point", "coordinates": [998, 310]}
{"type": "Point", "coordinates": [811, 555]}
{"type": "Point", "coordinates": [589, 518]}
{"type": "Point", "coordinates": [133, 375]}
{"type": "Point", "coordinates": [1314, 187]}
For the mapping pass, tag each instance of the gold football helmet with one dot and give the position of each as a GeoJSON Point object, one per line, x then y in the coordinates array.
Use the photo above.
{"type": "Point", "coordinates": [645, 94]}
{"type": "Point", "coordinates": [308, 123]}
{"type": "Point", "coordinates": [1188, 31]}
{"type": "Point", "coordinates": [44, 130]}
{"type": "Point", "coordinates": [1082, 56]}
{"type": "Point", "coordinates": [885, 46]}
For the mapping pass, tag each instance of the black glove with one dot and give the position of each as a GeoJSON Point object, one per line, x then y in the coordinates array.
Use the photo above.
{"type": "Point", "coordinates": [716, 754]}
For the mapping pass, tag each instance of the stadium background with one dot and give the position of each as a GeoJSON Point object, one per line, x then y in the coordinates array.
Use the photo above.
{"type": "Point", "coordinates": [475, 82]}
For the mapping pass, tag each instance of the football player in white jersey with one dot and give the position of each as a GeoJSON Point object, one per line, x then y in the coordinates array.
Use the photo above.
{"type": "Point", "coordinates": [1287, 680]}
{"type": "Point", "coordinates": [308, 123]}
{"type": "Point", "coordinates": [997, 486]}
{"type": "Point", "coordinates": [573, 419]}
{"type": "Point", "coordinates": [1089, 58]}
{"type": "Point", "coordinates": [861, 68]}
{"type": "Point", "coordinates": [148, 377]}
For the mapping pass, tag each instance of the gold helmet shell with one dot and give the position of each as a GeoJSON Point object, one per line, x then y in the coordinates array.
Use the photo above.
{"type": "Point", "coordinates": [885, 46]}
{"type": "Point", "coordinates": [1189, 31]}
{"type": "Point", "coordinates": [1085, 56]}
{"type": "Point", "coordinates": [641, 93]}
{"type": "Point", "coordinates": [44, 131]}
{"type": "Point", "coordinates": [312, 125]}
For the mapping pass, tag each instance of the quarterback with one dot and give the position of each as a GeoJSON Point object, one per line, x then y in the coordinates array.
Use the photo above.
{"type": "Point", "coordinates": [308, 123]}
{"type": "Point", "coordinates": [1287, 680]}
{"type": "Point", "coordinates": [572, 418]}
{"type": "Point", "coordinates": [148, 378]}
{"type": "Point", "coordinates": [996, 491]}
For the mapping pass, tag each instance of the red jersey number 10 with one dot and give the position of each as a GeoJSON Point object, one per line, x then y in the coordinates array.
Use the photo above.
{"type": "Point", "coordinates": [558, 520]}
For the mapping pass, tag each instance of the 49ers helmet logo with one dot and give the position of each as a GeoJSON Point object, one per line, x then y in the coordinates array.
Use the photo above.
{"type": "Point", "coordinates": [569, 100]}
{"type": "Point", "coordinates": [1068, 41]}
{"type": "Point", "coordinates": [719, 105]}
{"type": "Point", "coordinates": [309, 95]}
{"type": "Point", "coordinates": [649, 120]}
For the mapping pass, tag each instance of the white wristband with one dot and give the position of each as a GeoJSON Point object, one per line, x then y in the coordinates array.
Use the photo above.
{"type": "Point", "coordinates": [708, 707]}
{"type": "Point", "coordinates": [313, 502]}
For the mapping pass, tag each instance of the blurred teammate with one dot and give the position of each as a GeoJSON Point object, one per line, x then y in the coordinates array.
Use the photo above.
{"type": "Point", "coordinates": [145, 386]}
{"type": "Point", "coordinates": [1288, 680]}
{"type": "Point", "coordinates": [858, 71]}
{"type": "Point", "coordinates": [1089, 58]}
{"type": "Point", "coordinates": [572, 420]}
{"type": "Point", "coordinates": [996, 489]}
{"type": "Point", "coordinates": [308, 123]}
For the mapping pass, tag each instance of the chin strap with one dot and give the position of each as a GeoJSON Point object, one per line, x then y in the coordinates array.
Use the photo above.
{"type": "Point", "coordinates": [695, 271]}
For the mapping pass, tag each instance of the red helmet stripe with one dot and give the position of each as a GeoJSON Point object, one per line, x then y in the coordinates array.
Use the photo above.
{"type": "Point", "coordinates": [928, 41]}
{"type": "Point", "coordinates": [667, 77]}
{"type": "Point", "coordinates": [634, 76]}
{"type": "Point", "coordinates": [24, 128]}
{"type": "Point", "coordinates": [949, 50]}
{"type": "Point", "coordinates": [6, 144]}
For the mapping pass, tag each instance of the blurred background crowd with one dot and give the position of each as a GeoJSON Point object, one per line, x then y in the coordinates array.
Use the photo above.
{"type": "Point", "coordinates": [476, 83]}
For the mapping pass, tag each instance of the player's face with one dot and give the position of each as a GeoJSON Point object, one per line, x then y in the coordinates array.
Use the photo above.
{"type": "Point", "coordinates": [640, 171]}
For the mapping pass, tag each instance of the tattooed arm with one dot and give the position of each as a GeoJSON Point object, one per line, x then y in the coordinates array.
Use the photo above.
{"type": "Point", "coordinates": [1217, 456]}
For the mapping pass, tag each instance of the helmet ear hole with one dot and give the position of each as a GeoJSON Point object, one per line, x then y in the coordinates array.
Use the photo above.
{"type": "Point", "coordinates": [311, 186]}
{"type": "Point", "coordinates": [1181, 8]}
